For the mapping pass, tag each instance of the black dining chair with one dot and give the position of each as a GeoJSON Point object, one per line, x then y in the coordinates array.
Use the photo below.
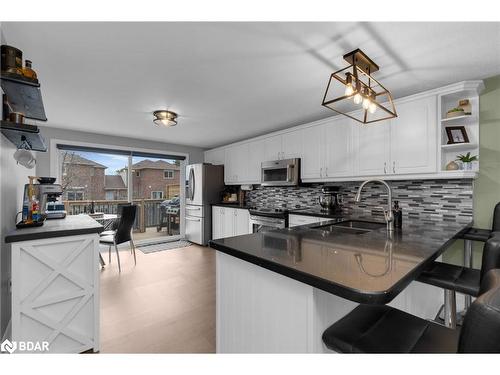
{"type": "Point", "coordinates": [461, 279]}
{"type": "Point", "coordinates": [114, 225]}
{"type": "Point", "coordinates": [384, 329]}
{"type": "Point", "coordinates": [123, 233]}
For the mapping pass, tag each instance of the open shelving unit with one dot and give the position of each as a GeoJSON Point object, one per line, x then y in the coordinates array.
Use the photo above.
{"type": "Point", "coordinates": [23, 96]}
{"type": "Point", "coordinates": [446, 101]}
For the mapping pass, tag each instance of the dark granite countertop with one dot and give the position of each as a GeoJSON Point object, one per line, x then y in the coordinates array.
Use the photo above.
{"type": "Point", "coordinates": [71, 225]}
{"type": "Point", "coordinates": [232, 205]}
{"type": "Point", "coordinates": [371, 267]}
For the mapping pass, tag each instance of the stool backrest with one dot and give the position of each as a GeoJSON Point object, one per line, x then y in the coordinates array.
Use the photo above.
{"type": "Point", "coordinates": [480, 331]}
{"type": "Point", "coordinates": [491, 254]}
{"type": "Point", "coordinates": [125, 223]}
{"type": "Point", "coordinates": [496, 218]}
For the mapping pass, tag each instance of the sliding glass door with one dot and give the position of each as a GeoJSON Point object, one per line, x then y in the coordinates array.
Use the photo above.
{"type": "Point", "coordinates": [156, 187]}
{"type": "Point", "coordinates": [96, 181]}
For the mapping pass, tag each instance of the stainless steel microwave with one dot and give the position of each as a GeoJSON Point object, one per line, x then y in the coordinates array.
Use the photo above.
{"type": "Point", "coordinates": [280, 172]}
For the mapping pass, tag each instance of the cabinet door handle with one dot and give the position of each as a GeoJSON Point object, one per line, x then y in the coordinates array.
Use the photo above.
{"type": "Point", "coordinates": [326, 171]}
{"type": "Point", "coordinates": [385, 167]}
{"type": "Point", "coordinates": [321, 172]}
{"type": "Point", "coordinates": [393, 167]}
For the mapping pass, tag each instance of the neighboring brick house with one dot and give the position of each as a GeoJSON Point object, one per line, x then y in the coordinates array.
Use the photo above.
{"type": "Point", "coordinates": [115, 188]}
{"type": "Point", "coordinates": [155, 179]}
{"type": "Point", "coordinates": [82, 179]}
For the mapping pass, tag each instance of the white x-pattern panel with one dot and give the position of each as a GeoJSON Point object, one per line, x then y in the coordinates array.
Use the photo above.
{"type": "Point", "coordinates": [55, 293]}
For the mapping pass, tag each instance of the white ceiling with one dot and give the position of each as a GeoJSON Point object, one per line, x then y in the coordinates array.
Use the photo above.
{"type": "Point", "coordinates": [230, 81]}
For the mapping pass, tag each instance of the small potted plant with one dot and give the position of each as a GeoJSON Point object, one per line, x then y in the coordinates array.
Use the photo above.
{"type": "Point", "coordinates": [467, 160]}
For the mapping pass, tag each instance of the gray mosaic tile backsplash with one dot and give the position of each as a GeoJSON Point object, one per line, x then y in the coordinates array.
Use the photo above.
{"type": "Point", "coordinates": [446, 200]}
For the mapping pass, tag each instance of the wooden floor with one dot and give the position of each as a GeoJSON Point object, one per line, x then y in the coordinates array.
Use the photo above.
{"type": "Point", "coordinates": [165, 304]}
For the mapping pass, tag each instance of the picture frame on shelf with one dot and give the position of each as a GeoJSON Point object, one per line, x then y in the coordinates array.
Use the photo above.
{"type": "Point", "coordinates": [456, 134]}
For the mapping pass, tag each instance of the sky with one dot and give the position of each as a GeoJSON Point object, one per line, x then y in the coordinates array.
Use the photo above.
{"type": "Point", "coordinates": [113, 162]}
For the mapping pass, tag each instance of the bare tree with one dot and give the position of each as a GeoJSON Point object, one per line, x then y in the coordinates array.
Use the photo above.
{"type": "Point", "coordinates": [68, 170]}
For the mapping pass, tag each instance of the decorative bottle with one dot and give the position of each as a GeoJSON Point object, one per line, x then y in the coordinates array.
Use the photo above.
{"type": "Point", "coordinates": [398, 215]}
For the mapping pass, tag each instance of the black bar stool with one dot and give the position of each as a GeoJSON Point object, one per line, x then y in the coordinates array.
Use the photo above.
{"type": "Point", "coordinates": [461, 279]}
{"type": "Point", "coordinates": [480, 235]}
{"type": "Point", "coordinates": [384, 329]}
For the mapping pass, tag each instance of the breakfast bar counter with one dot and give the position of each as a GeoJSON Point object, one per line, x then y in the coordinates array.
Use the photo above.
{"type": "Point", "coordinates": [280, 289]}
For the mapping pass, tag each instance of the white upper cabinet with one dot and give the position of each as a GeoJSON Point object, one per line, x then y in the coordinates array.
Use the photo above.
{"type": "Point", "coordinates": [372, 149]}
{"type": "Point", "coordinates": [338, 144]}
{"type": "Point", "coordinates": [272, 148]}
{"type": "Point", "coordinates": [341, 149]}
{"type": "Point", "coordinates": [311, 162]}
{"type": "Point", "coordinates": [236, 164]}
{"type": "Point", "coordinates": [291, 145]}
{"type": "Point", "coordinates": [215, 156]}
{"type": "Point", "coordinates": [414, 137]}
{"type": "Point", "coordinates": [283, 146]}
{"type": "Point", "coordinates": [255, 159]}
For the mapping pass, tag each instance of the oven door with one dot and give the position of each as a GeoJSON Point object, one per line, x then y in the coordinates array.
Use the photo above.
{"type": "Point", "coordinates": [280, 173]}
{"type": "Point", "coordinates": [264, 224]}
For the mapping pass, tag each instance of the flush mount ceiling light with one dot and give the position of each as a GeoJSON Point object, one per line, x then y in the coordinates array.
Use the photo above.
{"type": "Point", "coordinates": [353, 92]}
{"type": "Point", "coordinates": [165, 118]}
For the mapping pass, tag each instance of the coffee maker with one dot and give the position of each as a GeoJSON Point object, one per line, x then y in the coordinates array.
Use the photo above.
{"type": "Point", "coordinates": [48, 195]}
{"type": "Point", "coordinates": [329, 200]}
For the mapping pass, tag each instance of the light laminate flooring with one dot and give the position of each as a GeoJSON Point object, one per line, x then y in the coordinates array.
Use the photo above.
{"type": "Point", "coordinates": [165, 304]}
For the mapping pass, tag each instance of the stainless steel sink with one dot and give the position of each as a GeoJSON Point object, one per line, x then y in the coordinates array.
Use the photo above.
{"type": "Point", "coordinates": [360, 224]}
{"type": "Point", "coordinates": [351, 227]}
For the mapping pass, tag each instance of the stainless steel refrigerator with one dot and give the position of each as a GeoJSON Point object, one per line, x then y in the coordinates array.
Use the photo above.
{"type": "Point", "coordinates": [204, 185]}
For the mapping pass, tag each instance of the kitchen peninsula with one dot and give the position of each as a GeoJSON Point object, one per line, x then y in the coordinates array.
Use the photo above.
{"type": "Point", "coordinates": [55, 284]}
{"type": "Point", "coordinates": [280, 289]}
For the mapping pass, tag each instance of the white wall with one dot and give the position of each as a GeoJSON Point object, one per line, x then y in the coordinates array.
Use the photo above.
{"type": "Point", "coordinates": [12, 177]}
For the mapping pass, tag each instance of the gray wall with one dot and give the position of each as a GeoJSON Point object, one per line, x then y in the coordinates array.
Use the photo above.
{"type": "Point", "coordinates": [43, 159]}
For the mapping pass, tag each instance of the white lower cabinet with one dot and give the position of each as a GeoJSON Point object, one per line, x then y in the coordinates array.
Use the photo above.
{"type": "Point", "coordinates": [229, 222]}
{"type": "Point", "coordinates": [55, 293]}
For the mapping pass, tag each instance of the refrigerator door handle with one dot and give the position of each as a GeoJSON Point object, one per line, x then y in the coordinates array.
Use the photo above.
{"type": "Point", "coordinates": [191, 183]}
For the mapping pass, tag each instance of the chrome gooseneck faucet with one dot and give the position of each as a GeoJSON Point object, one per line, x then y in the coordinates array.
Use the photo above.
{"type": "Point", "coordinates": [388, 216]}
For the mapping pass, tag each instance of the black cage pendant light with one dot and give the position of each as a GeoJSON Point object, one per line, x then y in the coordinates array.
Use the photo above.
{"type": "Point", "coordinates": [353, 92]}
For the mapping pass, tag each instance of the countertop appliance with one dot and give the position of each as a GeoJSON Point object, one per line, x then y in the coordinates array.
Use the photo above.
{"type": "Point", "coordinates": [203, 187]}
{"type": "Point", "coordinates": [284, 172]}
{"type": "Point", "coordinates": [48, 194]}
{"type": "Point", "coordinates": [267, 218]}
{"type": "Point", "coordinates": [329, 199]}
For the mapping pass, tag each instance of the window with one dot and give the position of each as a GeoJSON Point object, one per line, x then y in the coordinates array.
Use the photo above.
{"type": "Point", "coordinates": [110, 196]}
{"type": "Point", "coordinates": [137, 173]}
{"type": "Point", "coordinates": [168, 174]}
{"type": "Point", "coordinates": [75, 195]}
{"type": "Point", "coordinates": [157, 195]}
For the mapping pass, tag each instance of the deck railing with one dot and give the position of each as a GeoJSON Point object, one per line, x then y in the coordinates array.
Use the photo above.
{"type": "Point", "coordinates": [148, 214]}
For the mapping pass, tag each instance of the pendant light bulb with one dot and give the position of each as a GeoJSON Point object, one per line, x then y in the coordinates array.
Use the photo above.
{"type": "Point", "coordinates": [372, 108]}
{"type": "Point", "coordinates": [349, 90]}
{"type": "Point", "coordinates": [366, 103]}
{"type": "Point", "coordinates": [358, 98]}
